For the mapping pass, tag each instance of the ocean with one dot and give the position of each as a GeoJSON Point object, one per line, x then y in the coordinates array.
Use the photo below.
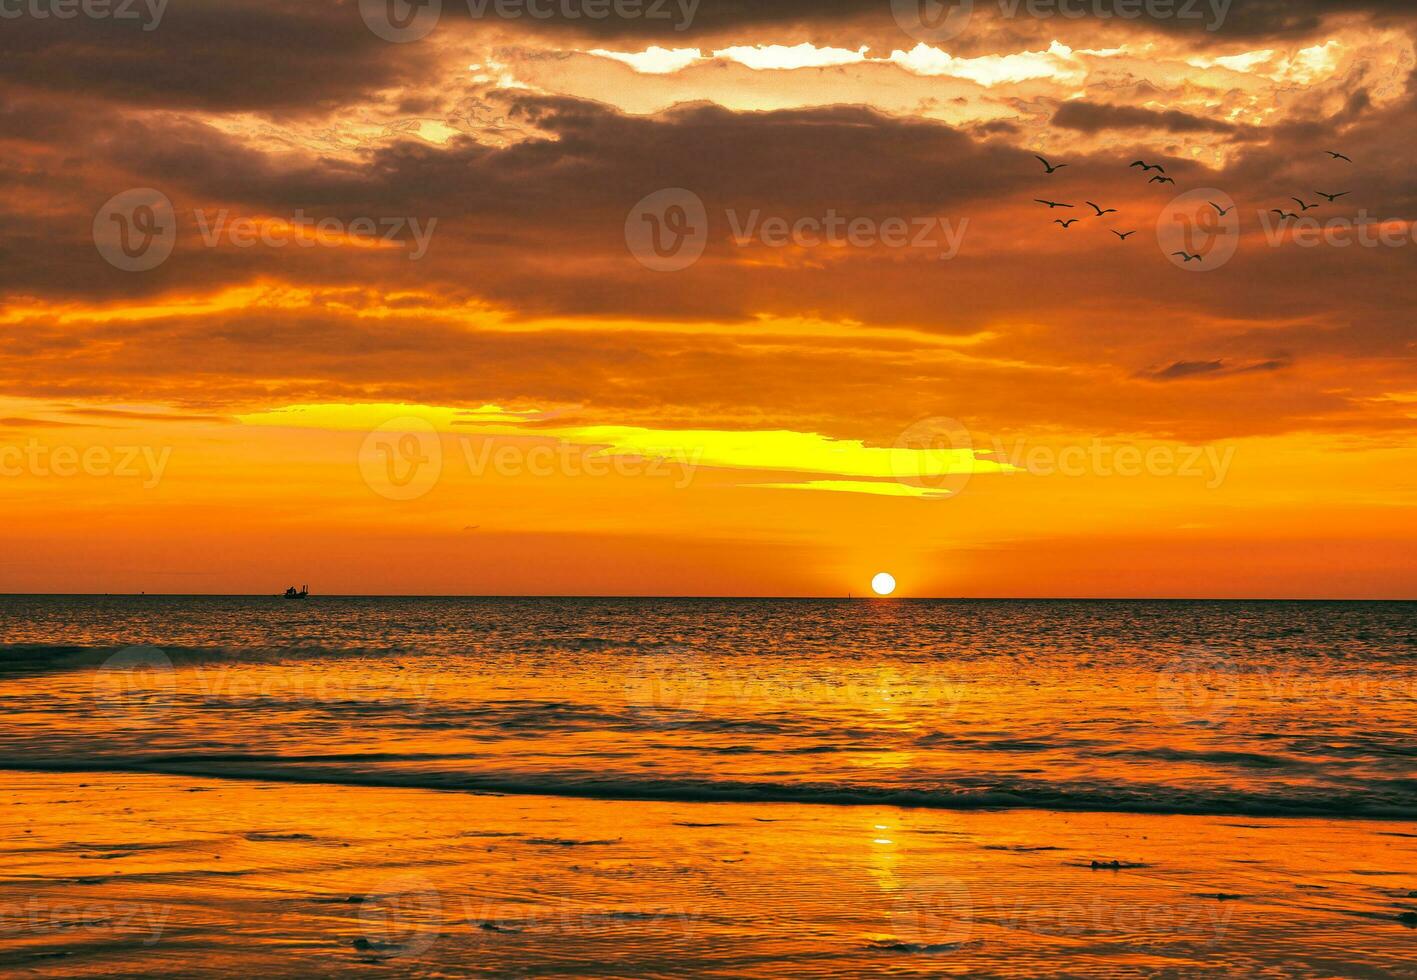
{"type": "Point", "coordinates": [1170, 707]}
{"type": "Point", "coordinates": [1045, 731]}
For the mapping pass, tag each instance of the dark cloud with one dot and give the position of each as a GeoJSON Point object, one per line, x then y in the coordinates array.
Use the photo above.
{"type": "Point", "coordinates": [1187, 369]}
{"type": "Point", "coordinates": [247, 360]}
{"type": "Point", "coordinates": [535, 229]}
{"type": "Point", "coordinates": [782, 20]}
{"type": "Point", "coordinates": [1181, 370]}
{"type": "Point", "coordinates": [217, 55]}
{"type": "Point", "coordinates": [1300, 18]}
{"type": "Point", "coordinates": [136, 416]}
{"type": "Point", "coordinates": [1273, 364]}
{"type": "Point", "coordinates": [994, 127]}
{"type": "Point", "coordinates": [285, 57]}
{"type": "Point", "coordinates": [1092, 117]}
{"type": "Point", "coordinates": [27, 423]}
{"type": "Point", "coordinates": [503, 208]}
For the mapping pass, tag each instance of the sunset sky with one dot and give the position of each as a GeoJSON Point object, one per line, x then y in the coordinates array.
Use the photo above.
{"type": "Point", "coordinates": [471, 377]}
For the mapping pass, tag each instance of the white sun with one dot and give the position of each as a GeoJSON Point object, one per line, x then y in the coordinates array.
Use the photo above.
{"type": "Point", "coordinates": [883, 583]}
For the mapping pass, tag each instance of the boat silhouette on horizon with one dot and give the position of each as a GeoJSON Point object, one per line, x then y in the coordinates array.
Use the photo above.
{"type": "Point", "coordinates": [290, 593]}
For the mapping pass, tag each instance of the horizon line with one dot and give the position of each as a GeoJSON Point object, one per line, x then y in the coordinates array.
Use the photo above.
{"type": "Point", "coordinates": [801, 598]}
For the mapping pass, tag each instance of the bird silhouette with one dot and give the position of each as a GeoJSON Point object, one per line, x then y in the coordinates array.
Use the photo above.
{"type": "Point", "coordinates": [1052, 204]}
{"type": "Point", "coordinates": [1223, 211]}
{"type": "Point", "coordinates": [1187, 256]}
{"type": "Point", "coordinates": [1161, 180]}
{"type": "Point", "coordinates": [1332, 197]}
{"type": "Point", "coordinates": [1147, 166]}
{"type": "Point", "coordinates": [1123, 234]}
{"type": "Point", "coordinates": [1048, 167]}
{"type": "Point", "coordinates": [1338, 156]}
{"type": "Point", "coordinates": [1302, 205]}
{"type": "Point", "coordinates": [1100, 211]}
{"type": "Point", "coordinates": [1282, 214]}
{"type": "Point", "coordinates": [1070, 221]}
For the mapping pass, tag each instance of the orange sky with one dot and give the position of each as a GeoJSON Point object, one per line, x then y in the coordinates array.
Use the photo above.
{"type": "Point", "coordinates": [413, 335]}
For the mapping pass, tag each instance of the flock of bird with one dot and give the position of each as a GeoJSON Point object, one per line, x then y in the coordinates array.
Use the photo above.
{"type": "Point", "coordinates": [1049, 168]}
{"type": "Point", "coordinates": [1161, 178]}
{"type": "Point", "coordinates": [1304, 206]}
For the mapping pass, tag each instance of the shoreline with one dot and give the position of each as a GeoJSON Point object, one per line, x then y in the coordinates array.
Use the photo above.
{"type": "Point", "coordinates": [747, 793]}
{"type": "Point", "coordinates": [136, 873]}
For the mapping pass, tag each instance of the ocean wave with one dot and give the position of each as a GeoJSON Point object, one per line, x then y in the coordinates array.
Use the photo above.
{"type": "Point", "coordinates": [20, 659]}
{"type": "Point", "coordinates": [1397, 801]}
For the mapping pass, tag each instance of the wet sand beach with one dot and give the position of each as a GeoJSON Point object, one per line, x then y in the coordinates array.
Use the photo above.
{"type": "Point", "coordinates": [131, 875]}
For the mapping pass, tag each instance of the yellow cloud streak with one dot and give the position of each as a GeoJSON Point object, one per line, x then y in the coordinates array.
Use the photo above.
{"type": "Point", "coordinates": [858, 486]}
{"type": "Point", "coordinates": [774, 451]}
